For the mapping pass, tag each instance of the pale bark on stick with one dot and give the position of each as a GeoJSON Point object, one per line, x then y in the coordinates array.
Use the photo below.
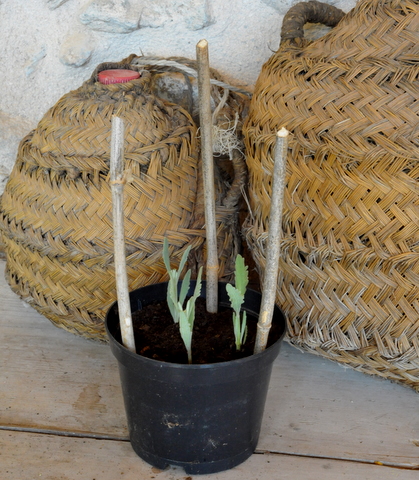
{"type": "Point", "coordinates": [205, 118]}
{"type": "Point", "coordinates": [270, 277]}
{"type": "Point", "coordinates": [117, 187]}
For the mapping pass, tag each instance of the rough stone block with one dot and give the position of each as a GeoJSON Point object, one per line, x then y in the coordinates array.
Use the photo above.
{"type": "Point", "coordinates": [114, 16]}
{"type": "Point", "coordinates": [76, 49]}
{"type": "Point", "coordinates": [194, 13]}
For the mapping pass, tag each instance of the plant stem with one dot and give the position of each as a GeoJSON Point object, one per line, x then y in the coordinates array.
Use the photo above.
{"type": "Point", "coordinates": [205, 120]}
{"type": "Point", "coordinates": [117, 187]}
{"type": "Point", "coordinates": [270, 277]}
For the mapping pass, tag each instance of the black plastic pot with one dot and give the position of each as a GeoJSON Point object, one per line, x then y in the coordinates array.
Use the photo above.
{"type": "Point", "coordinates": [204, 418]}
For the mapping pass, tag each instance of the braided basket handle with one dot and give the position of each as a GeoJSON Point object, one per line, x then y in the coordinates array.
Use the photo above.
{"type": "Point", "coordinates": [313, 12]}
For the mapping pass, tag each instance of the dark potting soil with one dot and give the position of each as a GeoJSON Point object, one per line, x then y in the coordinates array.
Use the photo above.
{"type": "Point", "coordinates": [213, 341]}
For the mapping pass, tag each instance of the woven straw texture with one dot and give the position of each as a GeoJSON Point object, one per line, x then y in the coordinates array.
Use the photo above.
{"type": "Point", "coordinates": [349, 268]}
{"type": "Point", "coordinates": [56, 211]}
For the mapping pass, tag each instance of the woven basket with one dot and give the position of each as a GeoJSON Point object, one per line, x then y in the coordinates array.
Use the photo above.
{"type": "Point", "coordinates": [56, 211]}
{"type": "Point", "coordinates": [349, 270]}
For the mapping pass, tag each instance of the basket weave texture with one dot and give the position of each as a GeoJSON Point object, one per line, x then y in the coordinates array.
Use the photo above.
{"type": "Point", "coordinates": [56, 211]}
{"type": "Point", "coordinates": [349, 268]}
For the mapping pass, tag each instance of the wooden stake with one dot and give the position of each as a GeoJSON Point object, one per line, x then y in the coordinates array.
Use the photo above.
{"type": "Point", "coordinates": [117, 187]}
{"type": "Point", "coordinates": [270, 278]}
{"type": "Point", "coordinates": [205, 119]}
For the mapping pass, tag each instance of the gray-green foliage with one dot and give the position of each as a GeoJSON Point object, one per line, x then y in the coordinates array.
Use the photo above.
{"type": "Point", "coordinates": [183, 316]}
{"type": "Point", "coordinates": [236, 295]}
{"type": "Point", "coordinates": [187, 317]}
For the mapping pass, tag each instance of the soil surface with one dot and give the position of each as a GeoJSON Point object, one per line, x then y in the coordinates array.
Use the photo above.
{"type": "Point", "coordinates": [158, 337]}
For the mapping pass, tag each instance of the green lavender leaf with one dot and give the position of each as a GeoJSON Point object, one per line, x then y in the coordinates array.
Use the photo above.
{"type": "Point", "coordinates": [236, 296]}
{"type": "Point", "coordinates": [241, 275]}
{"type": "Point", "coordinates": [185, 287]}
{"type": "Point", "coordinates": [174, 278]}
{"type": "Point", "coordinates": [184, 259]}
{"type": "Point", "coordinates": [166, 255]}
{"type": "Point", "coordinates": [185, 317]}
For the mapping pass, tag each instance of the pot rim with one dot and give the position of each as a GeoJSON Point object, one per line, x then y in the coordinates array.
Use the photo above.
{"type": "Point", "coordinates": [152, 361]}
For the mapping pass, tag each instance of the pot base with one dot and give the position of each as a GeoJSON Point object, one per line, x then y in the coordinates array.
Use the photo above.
{"type": "Point", "coordinates": [195, 468]}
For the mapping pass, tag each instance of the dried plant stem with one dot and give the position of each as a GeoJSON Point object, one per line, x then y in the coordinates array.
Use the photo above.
{"type": "Point", "coordinates": [270, 277]}
{"type": "Point", "coordinates": [117, 187]}
{"type": "Point", "coordinates": [205, 119]}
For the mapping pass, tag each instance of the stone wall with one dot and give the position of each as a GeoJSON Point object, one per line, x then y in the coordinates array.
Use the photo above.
{"type": "Point", "coordinates": [51, 46]}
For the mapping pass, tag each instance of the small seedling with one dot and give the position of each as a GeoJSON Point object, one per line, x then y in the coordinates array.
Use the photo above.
{"type": "Point", "coordinates": [183, 316]}
{"type": "Point", "coordinates": [236, 295]}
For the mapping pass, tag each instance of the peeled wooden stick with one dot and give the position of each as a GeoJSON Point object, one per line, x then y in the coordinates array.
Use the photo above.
{"type": "Point", "coordinates": [205, 119]}
{"type": "Point", "coordinates": [117, 187]}
{"type": "Point", "coordinates": [270, 278]}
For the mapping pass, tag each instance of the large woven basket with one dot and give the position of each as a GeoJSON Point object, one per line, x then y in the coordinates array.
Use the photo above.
{"type": "Point", "coordinates": [349, 270]}
{"type": "Point", "coordinates": [56, 211]}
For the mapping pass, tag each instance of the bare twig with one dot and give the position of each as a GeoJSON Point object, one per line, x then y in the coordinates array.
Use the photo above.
{"type": "Point", "coordinates": [270, 278]}
{"type": "Point", "coordinates": [117, 187]}
{"type": "Point", "coordinates": [205, 119]}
